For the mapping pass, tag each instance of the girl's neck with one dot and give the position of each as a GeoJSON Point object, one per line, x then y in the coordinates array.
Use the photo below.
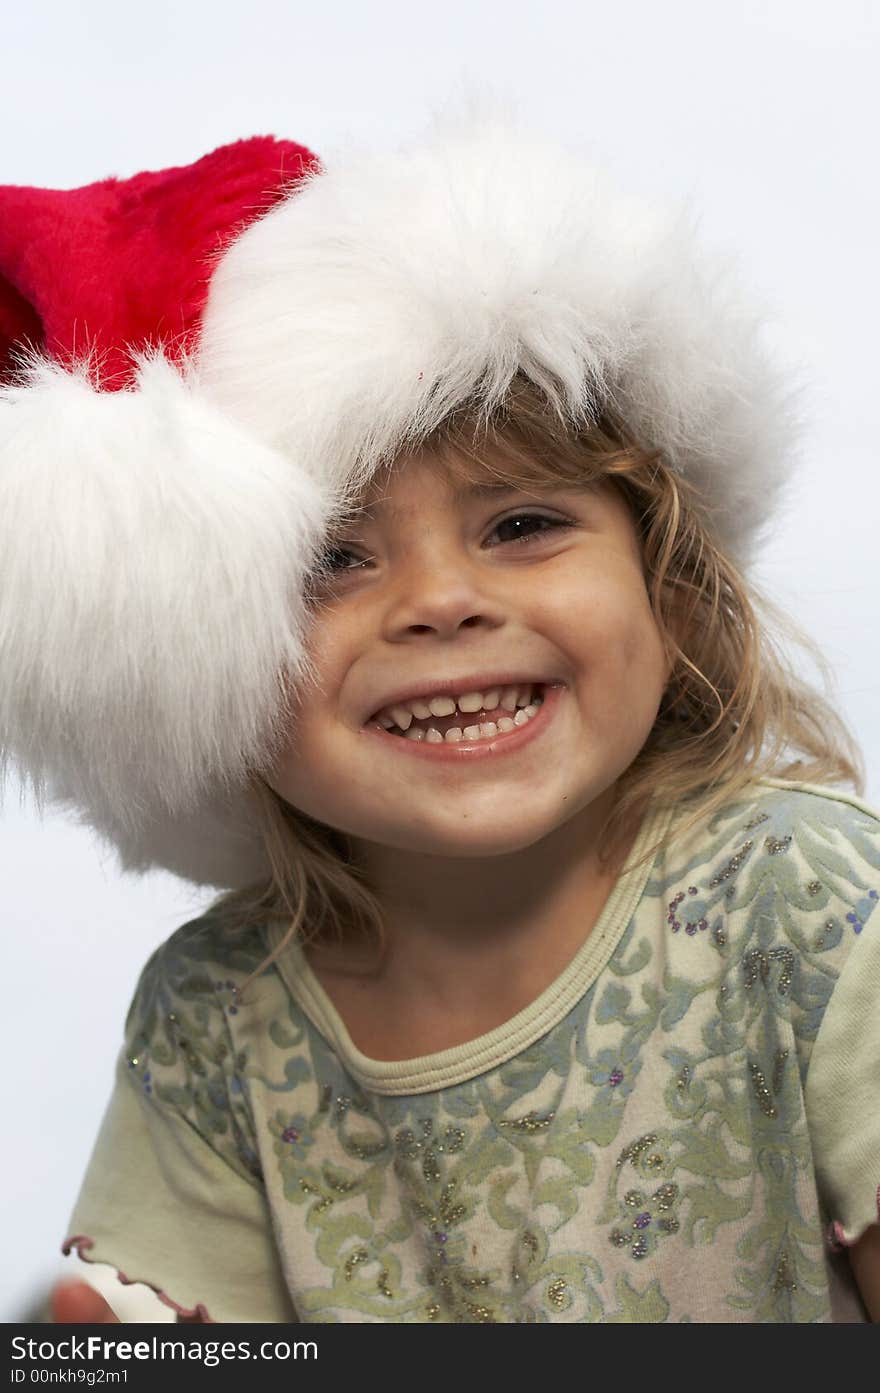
{"type": "Point", "coordinates": [469, 942]}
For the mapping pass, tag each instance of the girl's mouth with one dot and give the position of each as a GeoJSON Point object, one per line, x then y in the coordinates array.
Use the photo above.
{"type": "Point", "coordinates": [504, 734]}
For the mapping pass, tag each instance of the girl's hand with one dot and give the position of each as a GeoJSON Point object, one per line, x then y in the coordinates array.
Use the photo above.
{"type": "Point", "coordinates": [73, 1302]}
{"type": "Point", "coordinates": [864, 1259]}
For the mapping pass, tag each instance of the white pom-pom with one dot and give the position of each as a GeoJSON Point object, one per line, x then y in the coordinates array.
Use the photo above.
{"type": "Point", "coordinates": [152, 556]}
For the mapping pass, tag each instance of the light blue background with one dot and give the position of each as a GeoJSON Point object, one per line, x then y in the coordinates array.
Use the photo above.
{"type": "Point", "coordinates": [769, 111]}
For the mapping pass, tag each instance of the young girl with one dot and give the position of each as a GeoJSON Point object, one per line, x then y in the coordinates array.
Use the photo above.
{"type": "Point", "coordinates": [543, 983]}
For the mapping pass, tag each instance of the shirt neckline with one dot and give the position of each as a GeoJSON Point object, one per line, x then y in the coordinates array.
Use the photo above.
{"type": "Point", "coordinates": [445, 1068]}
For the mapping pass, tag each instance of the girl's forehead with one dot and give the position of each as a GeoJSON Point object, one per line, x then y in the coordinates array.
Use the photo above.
{"type": "Point", "coordinates": [473, 474]}
{"type": "Point", "coordinates": [447, 465]}
{"type": "Point", "coordinates": [411, 473]}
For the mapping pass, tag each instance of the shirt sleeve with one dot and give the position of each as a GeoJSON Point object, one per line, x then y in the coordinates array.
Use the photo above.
{"type": "Point", "coordinates": [164, 1209]}
{"type": "Point", "coordinates": [173, 1195]}
{"type": "Point", "coordinates": [842, 1093]}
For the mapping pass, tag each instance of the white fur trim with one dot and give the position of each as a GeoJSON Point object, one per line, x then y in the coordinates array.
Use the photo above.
{"type": "Point", "coordinates": [388, 288]}
{"type": "Point", "coordinates": [215, 845]}
{"type": "Point", "coordinates": [152, 556]}
{"type": "Point", "coordinates": [153, 542]}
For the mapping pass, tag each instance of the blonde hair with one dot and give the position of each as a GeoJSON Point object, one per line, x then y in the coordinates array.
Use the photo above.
{"type": "Point", "coordinates": [734, 710]}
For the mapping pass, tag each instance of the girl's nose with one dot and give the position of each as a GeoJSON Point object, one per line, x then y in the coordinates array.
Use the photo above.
{"type": "Point", "coordinates": [441, 591]}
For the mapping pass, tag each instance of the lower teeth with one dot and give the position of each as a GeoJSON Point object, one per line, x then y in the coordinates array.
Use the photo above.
{"type": "Point", "coordinates": [486, 730]}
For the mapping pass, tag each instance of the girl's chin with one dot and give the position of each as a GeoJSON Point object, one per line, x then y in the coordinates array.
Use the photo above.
{"type": "Point", "coordinates": [459, 842]}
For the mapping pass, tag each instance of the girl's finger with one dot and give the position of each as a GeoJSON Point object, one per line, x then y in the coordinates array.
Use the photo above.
{"type": "Point", "coordinates": [76, 1303]}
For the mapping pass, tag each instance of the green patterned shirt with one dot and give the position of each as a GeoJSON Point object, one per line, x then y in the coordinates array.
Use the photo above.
{"type": "Point", "coordinates": [684, 1126]}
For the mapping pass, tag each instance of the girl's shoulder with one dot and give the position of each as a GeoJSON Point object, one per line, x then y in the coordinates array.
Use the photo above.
{"type": "Point", "coordinates": [184, 1049]}
{"type": "Point", "coordinates": [199, 967]}
{"type": "Point", "coordinates": [773, 817]}
{"type": "Point", "coordinates": [782, 881]}
{"type": "Point", "coordinates": [812, 797]}
{"type": "Point", "coordinates": [775, 899]}
{"type": "Point", "coordinates": [835, 841]}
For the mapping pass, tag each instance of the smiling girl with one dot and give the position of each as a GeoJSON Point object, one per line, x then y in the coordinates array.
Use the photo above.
{"type": "Point", "coordinates": [472, 719]}
{"type": "Point", "coordinates": [542, 984]}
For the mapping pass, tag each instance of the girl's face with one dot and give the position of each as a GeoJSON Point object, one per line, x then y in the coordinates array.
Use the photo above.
{"type": "Point", "coordinates": [438, 593]}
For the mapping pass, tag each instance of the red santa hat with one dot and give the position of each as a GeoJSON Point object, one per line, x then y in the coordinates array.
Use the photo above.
{"type": "Point", "coordinates": [200, 365]}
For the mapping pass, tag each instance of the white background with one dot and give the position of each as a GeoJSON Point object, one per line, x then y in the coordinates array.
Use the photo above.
{"type": "Point", "coordinates": [768, 111]}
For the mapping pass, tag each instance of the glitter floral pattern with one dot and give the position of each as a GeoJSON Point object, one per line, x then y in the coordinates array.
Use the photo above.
{"type": "Point", "coordinates": [647, 1158]}
{"type": "Point", "coordinates": [292, 1133]}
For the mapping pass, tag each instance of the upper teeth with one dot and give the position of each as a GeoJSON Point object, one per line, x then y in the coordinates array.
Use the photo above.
{"type": "Point", "coordinates": [401, 714]}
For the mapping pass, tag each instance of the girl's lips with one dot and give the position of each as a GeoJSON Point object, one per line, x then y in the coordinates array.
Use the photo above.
{"type": "Point", "coordinates": [506, 742]}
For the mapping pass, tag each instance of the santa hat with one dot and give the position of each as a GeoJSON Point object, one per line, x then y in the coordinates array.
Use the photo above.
{"type": "Point", "coordinates": [199, 365]}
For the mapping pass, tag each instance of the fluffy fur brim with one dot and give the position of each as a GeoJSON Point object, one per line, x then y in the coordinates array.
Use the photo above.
{"type": "Point", "coordinates": [154, 541]}
{"type": "Point", "coordinates": [152, 558]}
{"type": "Point", "coordinates": [390, 288]}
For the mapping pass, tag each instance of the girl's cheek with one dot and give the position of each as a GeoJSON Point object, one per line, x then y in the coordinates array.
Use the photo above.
{"type": "Point", "coordinates": [642, 645]}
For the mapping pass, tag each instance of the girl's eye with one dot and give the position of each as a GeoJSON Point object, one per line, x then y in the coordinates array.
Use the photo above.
{"type": "Point", "coordinates": [330, 560]}
{"type": "Point", "coordinates": [519, 518]}
{"type": "Point", "coordinates": [333, 560]}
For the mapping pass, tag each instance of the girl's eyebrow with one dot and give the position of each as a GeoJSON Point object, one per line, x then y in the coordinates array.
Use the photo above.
{"type": "Point", "coordinates": [493, 489]}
